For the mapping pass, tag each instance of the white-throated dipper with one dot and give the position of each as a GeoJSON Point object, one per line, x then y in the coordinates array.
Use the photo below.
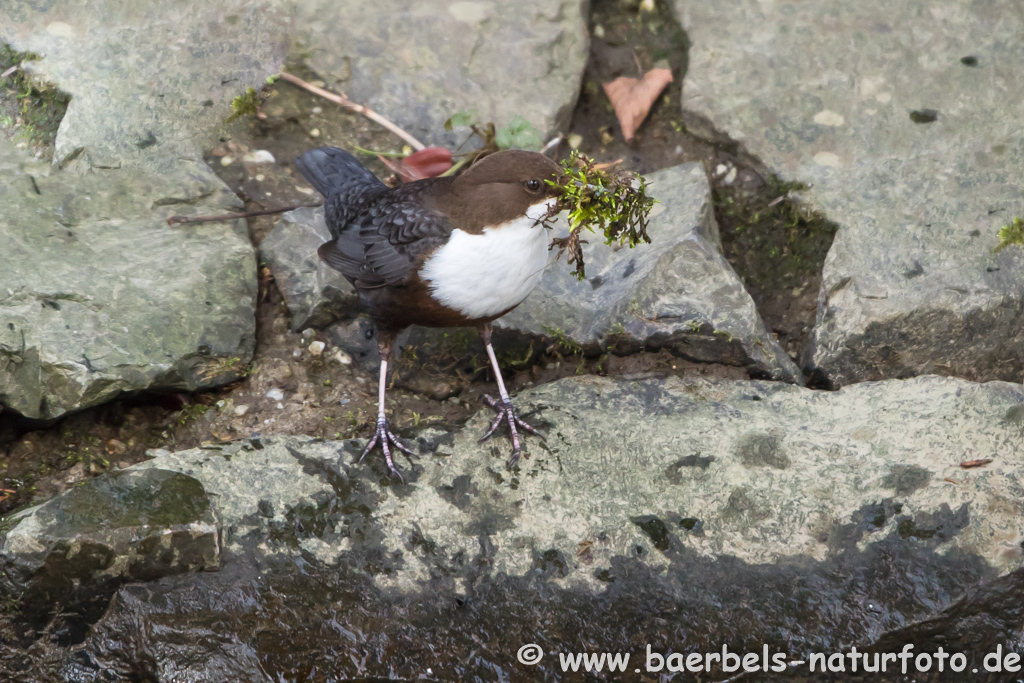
{"type": "Point", "coordinates": [441, 252]}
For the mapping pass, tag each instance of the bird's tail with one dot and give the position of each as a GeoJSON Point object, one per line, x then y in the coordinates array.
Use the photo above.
{"type": "Point", "coordinates": [341, 179]}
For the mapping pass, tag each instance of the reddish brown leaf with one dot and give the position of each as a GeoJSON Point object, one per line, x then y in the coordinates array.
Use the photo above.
{"type": "Point", "coordinates": [632, 98]}
{"type": "Point", "coordinates": [426, 163]}
{"type": "Point", "coordinates": [975, 463]}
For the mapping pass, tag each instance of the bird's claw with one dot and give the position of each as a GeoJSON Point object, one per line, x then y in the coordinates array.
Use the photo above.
{"type": "Point", "coordinates": [506, 413]}
{"type": "Point", "coordinates": [386, 439]}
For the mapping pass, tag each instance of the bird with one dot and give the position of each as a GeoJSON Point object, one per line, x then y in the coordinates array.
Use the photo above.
{"type": "Point", "coordinates": [440, 252]}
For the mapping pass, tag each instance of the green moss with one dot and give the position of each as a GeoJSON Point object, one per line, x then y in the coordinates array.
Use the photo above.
{"type": "Point", "coordinates": [562, 340]}
{"type": "Point", "coordinates": [768, 238]}
{"type": "Point", "coordinates": [245, 105]}
{"type": "Point", "coordinates": [30, 109]}
{"type": "Point", "coordinates": [612, 203]}
{"type": "Point", "coordinates": [1011, 234]}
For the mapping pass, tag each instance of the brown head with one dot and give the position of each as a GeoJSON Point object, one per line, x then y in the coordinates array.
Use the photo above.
{"type": "Point", "coordinates": [498, 188]}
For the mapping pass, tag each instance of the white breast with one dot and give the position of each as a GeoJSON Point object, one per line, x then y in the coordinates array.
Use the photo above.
{"type": "Point", "coordinates": [483, 275]}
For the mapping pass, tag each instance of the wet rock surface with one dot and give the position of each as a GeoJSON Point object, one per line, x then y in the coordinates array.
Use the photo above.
{"type": "Point", "coordinates": [99, 296]}
{"type": "Point", "coordinates": [420, 63]}
{"type": "Point", "coordinates": [903, 121]}
{"type": "Point", "coordinates": [813, 521]}
{"type": "Point", "coordinates": [77, 548]}
{"type": "Point", "coordinates": [678, 292]}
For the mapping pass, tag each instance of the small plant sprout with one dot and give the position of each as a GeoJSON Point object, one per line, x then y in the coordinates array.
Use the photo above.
{"type": "Point", "coordinates": [1011, 234]}
{"type": "Point", "coordinates": [613, 203]}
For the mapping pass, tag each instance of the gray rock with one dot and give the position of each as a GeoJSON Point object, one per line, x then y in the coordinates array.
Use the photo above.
{"type": "Point", "coordinates": [835, 94]}
{"type": "Point", "coordinates": [417, 64]}
{"type": "Point", "coordinates": [98, 295]}
{"type": "Point", "coordinates": [129, 525]}
{"type": "Point", "coordinates": [679, 292]}
{"type": "Point", "coordinates": [805, 515]}
{"type": "Point", "coordinates": [315, 293]}
{"type": "Point", "coordinates": [150, 83]}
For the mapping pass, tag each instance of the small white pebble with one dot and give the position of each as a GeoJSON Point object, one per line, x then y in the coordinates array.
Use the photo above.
{"type": "Point", "coordinates": [721, 170]}
{"type": "Point", "coordinates": [268, 194]}
{"type": "Point", "coordinates": [307, 333]}
{"type": "Point", "coordinates": [275, 394]}
{"type": "Point", "coordinates": [305, 190]}
{"type": "Point", "coordinates": [280, 406]}
{"type": "Point", "coordinates": [297, 353]}
{"type": "Point", "coordinates": [647, 6]}
{"type": "Point", "coordinates": [241, 410]}
{"type": "Point", "coordinates": [599, 31]}
{"type": "Point", "coordinates": [342, 357]}
{"type": "Point", "coordinates": [316, 110]}
{"type": "Point", "coordinates": [575, 140]}
{"type": "Point", "coordinates": [226, 161]}
{"type": "Point", "coordinates": [260, 156]}
{"type": "Point", "coordinates": [315, 133]}
{"type": "Point", "coordinates": [260, 177]}
{"type": "Point", "coordinates": [317, 347]}
{"type": "Point", "coordinates": [730, 177]}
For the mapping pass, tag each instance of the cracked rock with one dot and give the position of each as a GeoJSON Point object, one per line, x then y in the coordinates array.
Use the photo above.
{"type": "Point", "coordinates": [904, 120]}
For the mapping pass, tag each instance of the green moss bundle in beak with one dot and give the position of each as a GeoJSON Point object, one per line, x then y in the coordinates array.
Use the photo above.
{"type": "Point", "coordinates": [601, 200]}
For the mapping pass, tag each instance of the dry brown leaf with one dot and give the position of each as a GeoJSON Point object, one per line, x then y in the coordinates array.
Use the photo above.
{"type": "Point", "coordinates": [632, 99]}
{"type": "Point", "coordinates": [975, 463]}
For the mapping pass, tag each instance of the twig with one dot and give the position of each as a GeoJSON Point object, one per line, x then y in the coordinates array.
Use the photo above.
{"type": "Point", "coordinates": [358, 108]}
{"type": "Point", "coordinates": [551, 144]}
{"type": "Point", "coordinates": [10, 71]}
{"type": "Point", "coordinates": [181, 220]}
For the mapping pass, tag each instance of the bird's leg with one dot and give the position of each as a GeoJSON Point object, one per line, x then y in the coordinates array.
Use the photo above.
{"type": "Point", "coordinates": [506, 413]}
{"type": "Point", "coordinates": [383, 434]}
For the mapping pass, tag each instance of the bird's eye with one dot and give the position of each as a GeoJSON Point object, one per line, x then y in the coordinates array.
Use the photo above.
{"type": "Point", "coordinates": [533, 185]}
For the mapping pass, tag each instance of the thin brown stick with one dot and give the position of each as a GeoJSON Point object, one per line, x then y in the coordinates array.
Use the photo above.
{"type": "Point", "coordinates": [182, 220]}
{"type": "Point", "coordinates": [358, 108]}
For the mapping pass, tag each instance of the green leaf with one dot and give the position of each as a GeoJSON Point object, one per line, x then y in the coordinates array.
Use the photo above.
{"type": "Point", "coordinates": [461, 118]}
{"type": "Point", "coordinates": [518, 134]}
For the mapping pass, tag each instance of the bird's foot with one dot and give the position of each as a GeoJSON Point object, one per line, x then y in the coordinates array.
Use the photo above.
{"type": "Point", "coordinates": [386, 439]}
{"type": "Point", "coordinates": [506, 413]}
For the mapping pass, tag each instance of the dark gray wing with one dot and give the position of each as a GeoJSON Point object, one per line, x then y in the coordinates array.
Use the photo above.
{"type": "Point", "coordinates": [347, 185]}
{"type": "Point", "coordinates": [380, 246]}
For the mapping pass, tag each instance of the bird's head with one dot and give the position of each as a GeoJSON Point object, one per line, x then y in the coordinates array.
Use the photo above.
{"type": "Point", "coordinates": [507, 185]}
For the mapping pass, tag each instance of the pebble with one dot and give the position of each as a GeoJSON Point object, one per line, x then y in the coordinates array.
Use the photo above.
{"type": "Point", "coordinates": [647, 6]}
{"type": "Point", "coordinates": [575, 140]}
{"type": "Point", "coordinates": [297, 353]}
{"type": "Point", "coordinates": [226, 161]}
{"type": "Point", "coordinates": [342, 357]}
{"type": "Point", "coordinates": [115, 447]}
{"type": "Point", "coordinates": [260, 177]}
{"type": "Point", "coordinates": [730, 177]}
{"type": "Point", "coordinates": [721, 170]}
{"type": "Point", "coordinates": [316, 348]}
{"type": "Point", "coordinates": [260, 156]}
{"type": "Point", "coordinates": [316, 110]}
{"type": "Point", "coordinates": [241, 410]}
{"type": "Point", "coordinates": [275, 394]}
{"type": "Point", "coordinates": [315, 133]}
